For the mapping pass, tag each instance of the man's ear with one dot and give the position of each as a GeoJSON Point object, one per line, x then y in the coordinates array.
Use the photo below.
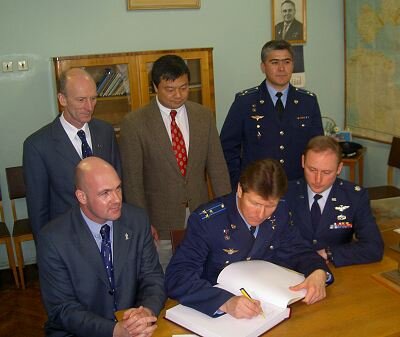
{"type": "Point", "coordinates": [239, 191]}
{"type": "Point", "coordinates": [339, 168]}
{"type": "Point", "coordinates": [155, 87]}
{"type": "Point", "coordinates": [81, 196]}
{"type": "Point", "coordinates": [302, 160]}
{"type": "Point", "coordinates": [62, 99]}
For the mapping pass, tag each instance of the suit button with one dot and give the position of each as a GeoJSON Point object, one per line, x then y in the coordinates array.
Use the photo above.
{"type": "Point", "coordinates": [248, 258]}
{"type": "Point", "coordinates": [271, 247]}
{"type": "Point", "coordinates": [282, 147]}
{"type": "Point", "coordinates": [281, 161]}
{"type": "Point", "coordinates": [281, 133]}
{"type": "Point", "coordinates": [226, 262]}
{"type": "Point", "coordinates": [314, 242]}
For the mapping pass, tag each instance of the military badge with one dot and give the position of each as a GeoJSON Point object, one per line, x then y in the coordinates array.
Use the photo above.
{"type": "Point", "coordinates": [341, 217]}
{"type": "Point", "coordinates": [257, 117]}
{"type": "Point", "coordinates": [341, 208]}
{"type": "Point", "coordinates": [230, 251]}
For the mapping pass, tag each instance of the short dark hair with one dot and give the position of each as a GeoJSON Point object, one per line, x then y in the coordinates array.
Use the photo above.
{"type": "Point", "coordinates": [265, 177]}
{"type": "Point", "coordinates": [324, 143]}
{"type": "Point", "coordinates": [169, 68]}
{"type": "Point", "coordinates": [276, 45]}
{"type": "Point", "coordinates": [288, 2]}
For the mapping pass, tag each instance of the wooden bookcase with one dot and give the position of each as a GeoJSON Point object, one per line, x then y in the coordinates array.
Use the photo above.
{"type": "Point", "coordinates": [137, 88]}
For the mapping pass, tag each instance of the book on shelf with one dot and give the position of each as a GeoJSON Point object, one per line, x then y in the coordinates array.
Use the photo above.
{"type": "Point", "coordinates": [111, 88]}
{"type": "Point", "coordinates": [263, 281]}
{"type": "Point", "coordinates": [107, 84]}
{"type": "Point", "coordinates": [103, 80]}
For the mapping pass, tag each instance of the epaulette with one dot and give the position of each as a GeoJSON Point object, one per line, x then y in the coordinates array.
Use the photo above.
{"type": "Point", "coordinates": [211, 210]}
{"type": "Point", "coordinates": [305, 91]}
{"type": "Point", "coordinates": [248, 91]}
{"type": "Point", "coordinates": [349, 185]}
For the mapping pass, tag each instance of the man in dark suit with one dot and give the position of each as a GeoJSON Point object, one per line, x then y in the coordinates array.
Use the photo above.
{"type": "Point", "coordinates": [52, 153]}
{"type": "Point", "coordinates": [261, 125]}
{"type": "Point", "coordinates": [80, 290]}
{"type": "Point", "coordinates": [251, 224]}
{"type": "Point", "coordinates": [168, 147]}
{"type": "Point", "coordinates": [344, 230]}
{"type": "Point", "coordinates": [289, 29]}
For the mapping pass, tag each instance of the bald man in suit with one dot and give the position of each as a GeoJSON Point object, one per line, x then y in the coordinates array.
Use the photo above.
{"type": "Point", "coordinates": [153, 177]}
{"type": "Point", "coordinates": [52, 153]}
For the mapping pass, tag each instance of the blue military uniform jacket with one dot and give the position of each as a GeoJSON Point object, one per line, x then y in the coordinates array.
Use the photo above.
{"type": "Point", "coordinates": [252, 130]}
{"type": "Point", "coordinates": [347, 214]}
{"type": "Point", "coordinates": [217, 236]}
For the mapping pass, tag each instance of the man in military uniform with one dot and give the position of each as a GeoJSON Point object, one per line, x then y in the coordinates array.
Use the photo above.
{"type": "Point", "coordinates": [342, 208]}
{"type": "Point", "coordinates": [261, 125]}
{"type": "Point", "coordinates": [251, 224]}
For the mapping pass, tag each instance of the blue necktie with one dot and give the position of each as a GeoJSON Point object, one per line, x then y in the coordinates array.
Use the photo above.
{"type": "Point", "coordinates": [106, 254]}
{"type": "Point", "coordinates": [252, 231]}
{"type": "Point", "coordinates": [86, 150]}
{"type": "Point", "coordinates": [315, 212]}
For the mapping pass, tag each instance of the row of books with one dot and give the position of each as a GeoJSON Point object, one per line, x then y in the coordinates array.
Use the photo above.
{"type": "Point", "coordinates": [112, 83]}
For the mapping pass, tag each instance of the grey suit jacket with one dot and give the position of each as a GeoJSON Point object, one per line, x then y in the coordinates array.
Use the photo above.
{"type": "Point", "coordinates": [151, 177]}
{"type": "Point", "coordinates": [74, 284]}
{"type": "Point", "coordinates": [49, 161]}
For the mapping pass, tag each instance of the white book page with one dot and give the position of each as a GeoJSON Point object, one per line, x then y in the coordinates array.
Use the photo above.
{"type": "Point", "coordinates": [263, 281]}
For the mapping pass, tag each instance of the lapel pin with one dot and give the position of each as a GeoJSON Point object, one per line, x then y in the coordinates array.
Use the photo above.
{"type": "Point", "coordinates": [126, 236]}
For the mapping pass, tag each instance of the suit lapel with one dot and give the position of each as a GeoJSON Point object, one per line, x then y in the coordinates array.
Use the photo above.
{"type": "Point", "coordinates": [88, 247]}
{"type": "Point", "coordinates": [194, 135]}
{"type": "Point", "coordinates": [156, 128]}
{"type": "Point", "coordinates": [63, 144]}
{"type": "Point", "coordinates": [122, 239]}
{"type": "Point", "coordinates": [97, 140]}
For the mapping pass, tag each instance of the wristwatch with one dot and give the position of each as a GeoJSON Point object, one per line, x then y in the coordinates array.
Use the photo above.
{"type": "Point", "coordinates": [329, 278]}
{"type": "Point", "coordinates": [329, 255]}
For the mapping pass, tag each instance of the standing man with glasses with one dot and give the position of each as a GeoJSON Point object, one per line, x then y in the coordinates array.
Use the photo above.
{"type": "Point", "coordinates": [168, 147]}
{"type": "Point", "coordinates": [272, 120]}
{"type": "Point", "coordinates": [52, 153]}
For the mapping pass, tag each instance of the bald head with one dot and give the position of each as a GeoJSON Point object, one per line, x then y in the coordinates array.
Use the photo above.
{"type": "Point", "coordinates": [98, 190]}
{"type": "Point", "coordinates": [72, 75]}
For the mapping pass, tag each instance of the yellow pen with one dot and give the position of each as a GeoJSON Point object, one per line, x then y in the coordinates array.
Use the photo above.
{"type": "Point", "coordinates": [246, 294]}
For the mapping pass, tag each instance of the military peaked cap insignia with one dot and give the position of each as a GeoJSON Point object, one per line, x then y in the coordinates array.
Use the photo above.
{"type": "Point", "coordinates": [212, 210]}
{"type": "Point", "coordinates": [304, 91]}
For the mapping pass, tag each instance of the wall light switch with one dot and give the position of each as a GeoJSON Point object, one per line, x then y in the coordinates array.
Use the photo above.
{"type": "Point", "coordinates": [22, 65]}
{"type": "Point", "coordinates": [7, 66]}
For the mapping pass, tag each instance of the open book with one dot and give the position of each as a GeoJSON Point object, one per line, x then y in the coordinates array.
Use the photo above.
{"type": "Point", "coordinates": [263, 281]}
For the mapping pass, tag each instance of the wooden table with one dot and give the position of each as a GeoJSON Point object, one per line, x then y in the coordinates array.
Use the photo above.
{"type": "Point", "coordinates": [357, 304]}
{"type": "Point", "coordinates": [352, 162]}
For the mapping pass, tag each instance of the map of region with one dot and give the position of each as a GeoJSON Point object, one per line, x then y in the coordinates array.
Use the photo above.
{"type": "Point", "coordinates": [373, 68]}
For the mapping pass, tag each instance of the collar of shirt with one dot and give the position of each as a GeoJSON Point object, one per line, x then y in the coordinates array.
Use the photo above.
{"type": "Point", "coordinates": [322, 201]}
{"type": "Point", "coordinates": [181, 120]}
{"type": "Point", "coordinates": [272, 92]}
{"type": "Point", "coordinates": [244, 220]}
{"type": "Point", "coordinates": [94, 228]}
{"type": "Point", "coordinates": [71, 132]}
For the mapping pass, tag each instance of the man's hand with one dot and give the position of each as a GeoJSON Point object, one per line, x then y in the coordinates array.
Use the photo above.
{"type": "Point", "coordinates": [136, 322]}
{"type": "Point", "coordinates": [241, 307]}
{"type": "Point", "coordinates": [154, 233]}
{"type": "Point", "coordinates": [315, 286]}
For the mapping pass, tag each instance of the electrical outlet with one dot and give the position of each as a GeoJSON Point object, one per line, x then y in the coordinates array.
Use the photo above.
{"type": "Point", "coordinates": [22, 65]}
{"type": "Point", "coordinates": [7, 66]}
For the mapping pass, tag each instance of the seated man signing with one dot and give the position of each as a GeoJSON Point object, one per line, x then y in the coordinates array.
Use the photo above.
{"type": "Point", "coordinates": [332, 214]}
{"type": "Point", "coordinates": [98, 258]}
{"type": "Point", "coordinates": [220, 233]}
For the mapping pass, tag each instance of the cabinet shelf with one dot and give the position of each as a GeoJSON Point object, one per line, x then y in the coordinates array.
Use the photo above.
{"type": "Point", "coordinates": [134, 68]}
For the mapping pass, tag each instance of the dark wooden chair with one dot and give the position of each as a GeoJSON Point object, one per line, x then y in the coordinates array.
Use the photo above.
{"type": "Point", "coordinates": [22, 229]}
{"type": "Point", "coordinates": [5, 238]}
{"type": "Point", "coordinates": [389, 190]}
{"type": "Point", "coordinates": [177, 236]}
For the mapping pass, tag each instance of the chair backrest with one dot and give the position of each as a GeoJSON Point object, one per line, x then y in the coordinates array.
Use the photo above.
{"type": "Point", "coordinates": [394, 159]}
{"type": "Point", "coordinates": [1, 208]}
{"type": "Point", "coordinates": [177, 236]}
{"type": "Point", "coordinates": [16, 186]}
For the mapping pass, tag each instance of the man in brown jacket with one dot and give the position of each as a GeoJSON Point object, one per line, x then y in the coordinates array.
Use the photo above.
{"type": "Point", "coordinates": [167, 179]}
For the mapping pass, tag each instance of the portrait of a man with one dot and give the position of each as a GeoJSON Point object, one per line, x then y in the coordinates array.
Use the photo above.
{"type": "Point", "coordinates": [291, 26]}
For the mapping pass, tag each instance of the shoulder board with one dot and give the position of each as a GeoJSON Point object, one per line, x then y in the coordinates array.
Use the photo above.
{"type": "Point", "coordinates": [304, 91]}
{"type": "Point", "coordinates": [349, 185]}
{"type": "Point", "coordinates": [248, 91]}
{"type": "Point", "coordinates": [211, 210]}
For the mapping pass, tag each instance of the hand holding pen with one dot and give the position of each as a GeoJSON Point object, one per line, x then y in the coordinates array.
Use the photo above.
{"type": "Point", "coordinates": [246, 294]}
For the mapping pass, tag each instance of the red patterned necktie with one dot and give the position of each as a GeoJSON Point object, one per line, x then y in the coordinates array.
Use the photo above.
{"type": "Point", "coordinates": [178, 144]}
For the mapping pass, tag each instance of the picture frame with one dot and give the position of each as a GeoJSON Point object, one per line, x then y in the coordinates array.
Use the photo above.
{"type": "Point", "coordinates": [295, 12]}
{"type": "Point", "coordinates": [162, 4]}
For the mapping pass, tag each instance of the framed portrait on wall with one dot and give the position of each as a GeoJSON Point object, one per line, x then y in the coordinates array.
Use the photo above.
{"type": "Point", "coordinates": [289, 20]}
{"type": "Point", "coordinates": [162, 4]}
